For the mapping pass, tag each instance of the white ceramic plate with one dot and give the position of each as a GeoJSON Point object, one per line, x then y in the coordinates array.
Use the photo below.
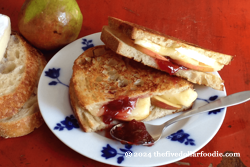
{"type": "Point", "coordinates": [179, 140]}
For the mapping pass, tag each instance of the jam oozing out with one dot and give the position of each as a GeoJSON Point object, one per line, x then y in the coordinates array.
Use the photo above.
{"type": "Point", "coordinates": [134, 132]}
{"type": "Point", "coordinates": [118, 108]}
{"type": "Point", "coordinates": [168, 66]}
{"type": "Point", "coordinates": [107, 133]}
{"type": "Point", "coordinates": [164, 63]}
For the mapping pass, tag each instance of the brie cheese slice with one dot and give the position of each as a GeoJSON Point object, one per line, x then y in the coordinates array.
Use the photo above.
{"type": "Point", "coordinates": [185, 98]}
{"type": "Point", "coordinates": [141, 110]}
{"type": "Point", "coordinates": [5, 30]}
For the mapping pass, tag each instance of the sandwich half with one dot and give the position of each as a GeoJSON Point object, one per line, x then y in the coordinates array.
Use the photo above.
{"type": "Point", "coordinates": [165, 53]}
{"type": "Point", "coordinates": [107, 88]}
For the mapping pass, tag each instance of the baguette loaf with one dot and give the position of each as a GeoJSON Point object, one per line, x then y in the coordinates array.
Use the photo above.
{"type": "Point", "coordinates": [28, 116]}
{"type": "Point", "coordinates": [100, 76]}
{"type": "Point", "coordinates": [18, 75]}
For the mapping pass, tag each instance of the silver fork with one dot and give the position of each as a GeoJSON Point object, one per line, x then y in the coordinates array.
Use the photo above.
{"type": "Point", "coordinates": [156, 130]}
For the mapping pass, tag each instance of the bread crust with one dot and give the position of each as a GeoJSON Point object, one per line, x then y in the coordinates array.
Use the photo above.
{"type": "Point", "coordinates": [10, 103]}
{"type": "Point", "coordinates": [23, 126]}
{"type": "Point", "coordinates": [87, 122]}
{"type": "Point", "coordinates": [125, 47]}
{"type": "Point", "coordinates": [134, 31]}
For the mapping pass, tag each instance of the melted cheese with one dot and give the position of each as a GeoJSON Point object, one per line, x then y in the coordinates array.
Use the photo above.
{"type": "Point", "coordinates": [5, 31]}
{"type": "Point", "coordinates": [178, 53]}
{"type": "Point", "coordinates": [141, 110]}
{"type": "Point", "coordinates": [185, 98]}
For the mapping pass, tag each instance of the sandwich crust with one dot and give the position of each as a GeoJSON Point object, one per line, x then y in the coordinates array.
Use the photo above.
{"type": "Point", "coordinates": [18, 75]}
{"type": "Point", "coordinates": [87, 122]}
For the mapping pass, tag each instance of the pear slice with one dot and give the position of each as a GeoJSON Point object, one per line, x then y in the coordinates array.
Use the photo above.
{"type": "Point", "coordinates": [164, 103]}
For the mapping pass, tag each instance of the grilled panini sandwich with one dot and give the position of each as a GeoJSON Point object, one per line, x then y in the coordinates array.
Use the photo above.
{"type": "Point", "coordinates": [106, 88]}
{"type": "Point", "coordinates": [165, 53]}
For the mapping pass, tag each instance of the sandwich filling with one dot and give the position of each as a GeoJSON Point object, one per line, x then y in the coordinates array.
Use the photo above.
{"type": "Point", "coordinates": [181, 55]}
{"type": "Point", "coordinates": [172, 57]}
{"type": "Point", "coordinates": [127, 109]}
{"type": "Point", "coordinates": [163, 63]}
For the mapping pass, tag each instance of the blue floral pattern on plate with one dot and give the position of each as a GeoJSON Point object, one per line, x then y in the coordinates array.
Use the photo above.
{"type": "Point", "coordinates": [210, 99]}
{"type": "Point", "coordinates": [181, 137]}
{"type": "Point", "coordinates": [54, 74]}
{"type": "Point", "coordinates": [110, 152]}
{"type": "Point", "coordinates": [70, 122]}
{"type": "Point", "coordinates": [87, 44]}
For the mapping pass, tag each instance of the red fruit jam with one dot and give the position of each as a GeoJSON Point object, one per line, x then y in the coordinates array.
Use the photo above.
{"type": "Point", "coordinates": [163, 62]}
{"type": "Point", "coordinates": [120, 108]}
{"type": "Point", "coordinates": [168, 66]}
{"type": "Point", "coordinates": [134, 132]}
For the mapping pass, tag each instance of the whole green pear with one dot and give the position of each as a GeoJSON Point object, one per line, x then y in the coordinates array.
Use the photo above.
{"type": "Point", "coordinates": [50, 24]}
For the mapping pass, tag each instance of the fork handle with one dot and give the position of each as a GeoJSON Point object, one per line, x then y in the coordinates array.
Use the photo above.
{"type": "Point", "coordinates": [226, 101]}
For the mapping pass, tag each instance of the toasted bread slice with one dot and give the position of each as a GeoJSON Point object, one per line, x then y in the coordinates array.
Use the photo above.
{"type": "Point", "coordinates": [119, 43]}
{"type": "Point", "coordinates": [18, 75]}
{"type": "Point", "coordinates": [28, 116]}
{"type": "Point", "coordinates": [100, 76]}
